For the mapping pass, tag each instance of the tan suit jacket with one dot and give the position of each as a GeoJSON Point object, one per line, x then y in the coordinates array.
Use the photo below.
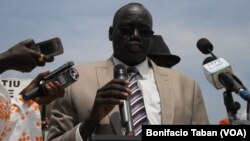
{"type": "Point", "coordinates": [181, 101]}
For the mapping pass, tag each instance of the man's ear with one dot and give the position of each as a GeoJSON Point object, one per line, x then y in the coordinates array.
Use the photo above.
{"type": "Point", "coordinates": [110, 33]}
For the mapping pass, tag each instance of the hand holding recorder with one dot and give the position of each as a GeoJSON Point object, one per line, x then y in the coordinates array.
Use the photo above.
{"type": "Point", "coordinates": [61, 77]}
{"type": "Point", "coordinates": [53, 89]}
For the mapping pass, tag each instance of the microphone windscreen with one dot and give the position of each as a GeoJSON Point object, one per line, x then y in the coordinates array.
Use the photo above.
{"type": "Point", "coordinates": [208, 59]}
{"type": "Point", "coordinates": [204, 46]}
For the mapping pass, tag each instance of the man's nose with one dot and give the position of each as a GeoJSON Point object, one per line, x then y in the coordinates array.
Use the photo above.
{"type": "Point", "coordinates": [136, 32]}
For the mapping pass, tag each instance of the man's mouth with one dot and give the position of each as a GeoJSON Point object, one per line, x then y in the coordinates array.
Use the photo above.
{"type": "Point", "coordinates": [135, 47]}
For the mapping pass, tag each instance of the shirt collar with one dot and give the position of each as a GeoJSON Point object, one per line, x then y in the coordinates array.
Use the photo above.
{"type": "Point", "coordinates": [143, 67]}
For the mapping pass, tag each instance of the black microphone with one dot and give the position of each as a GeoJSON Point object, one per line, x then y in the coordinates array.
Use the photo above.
{"type": "Point", "coordinates": [232, 83]}
{"type": "Point", "coordinates": [205, 46]}
{"type": "Point", "coordinates": [36, 92]}
{"type": "Point", "coordinates": [208, 60]}
{"type": "Point", "coordinates": [120, 72]}
{"type": "Point", "coordinates": [219, 72]}
{"type": "Point", "coordinates": [213, 67]}
{"type": "Point", "coordinates": [224, 77]}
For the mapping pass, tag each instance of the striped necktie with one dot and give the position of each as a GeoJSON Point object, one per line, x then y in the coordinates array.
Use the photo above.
{"type": "Point", "coordinates": [138, 111]}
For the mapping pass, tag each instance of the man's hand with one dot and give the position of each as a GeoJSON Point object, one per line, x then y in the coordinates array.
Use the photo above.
{"type": "Point", "coordinates": [22, 58]}
{"type": "Point", "coordinates": [111, 94]}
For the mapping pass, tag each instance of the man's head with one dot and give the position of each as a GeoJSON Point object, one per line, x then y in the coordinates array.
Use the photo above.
{"type": "Point", "coordinates": [131, 33]}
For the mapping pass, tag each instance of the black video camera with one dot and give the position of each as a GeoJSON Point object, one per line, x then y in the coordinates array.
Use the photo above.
{"type": "Point", "coordinates": [65, 74]}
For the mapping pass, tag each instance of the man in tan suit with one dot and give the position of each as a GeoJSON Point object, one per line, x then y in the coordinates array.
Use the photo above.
{"type": "Point", "coordinates": [91, 105]}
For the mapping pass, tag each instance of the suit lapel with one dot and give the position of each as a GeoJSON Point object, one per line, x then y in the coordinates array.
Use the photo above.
{"type": "Point", "coordinates": [104, 75]}
{"type": "Point", "coordinates": [164, 86]}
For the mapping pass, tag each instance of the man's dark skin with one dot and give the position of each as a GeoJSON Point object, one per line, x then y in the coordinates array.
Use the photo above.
{"type": "Point", "coordinates": [131, 35]}
{"type": "Point", "coordinates": [21, 58]}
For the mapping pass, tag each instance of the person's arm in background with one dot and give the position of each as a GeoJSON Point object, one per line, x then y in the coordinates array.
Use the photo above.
{"type": "Point", "coordinates": [21, 58]}
{"type": "Point", "coordinates": [25, 115]}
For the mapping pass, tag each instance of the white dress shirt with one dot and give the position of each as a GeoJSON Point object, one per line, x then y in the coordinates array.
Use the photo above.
{"type": "Point", "coordinates": [149, 90]}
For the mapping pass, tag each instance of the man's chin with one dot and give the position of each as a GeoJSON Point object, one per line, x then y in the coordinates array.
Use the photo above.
{"type": "Point", "coordinates": [133, 62]}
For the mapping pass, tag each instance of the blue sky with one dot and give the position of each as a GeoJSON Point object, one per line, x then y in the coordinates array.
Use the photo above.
{"type": "Point", "coordinates": [83, 26]}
